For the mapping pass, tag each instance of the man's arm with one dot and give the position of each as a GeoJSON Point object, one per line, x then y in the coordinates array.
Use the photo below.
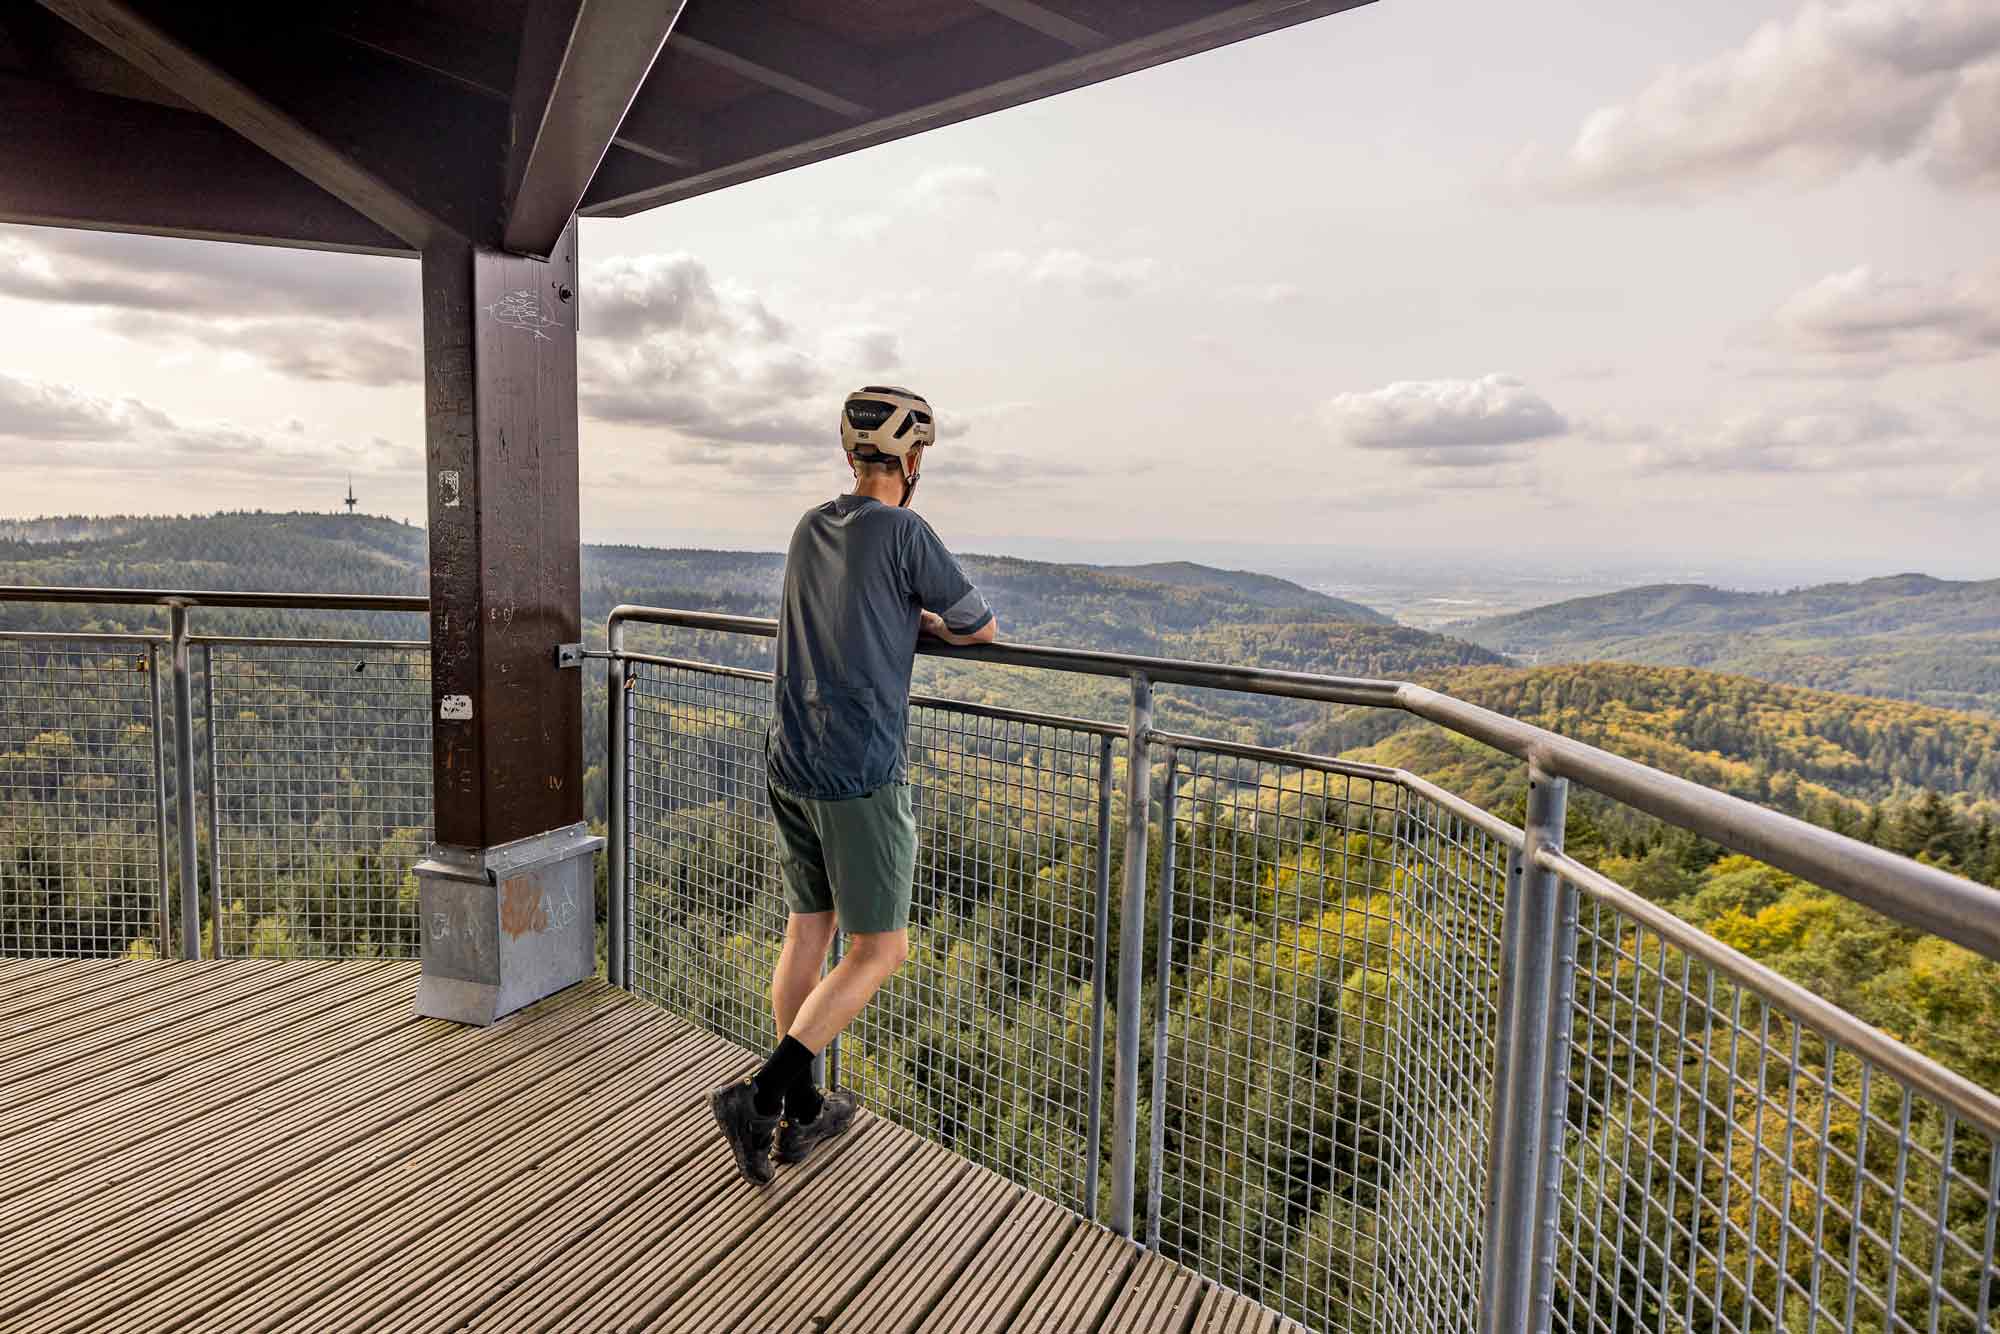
{"type": "Point", "coordinates": [934, 626]}
{"type": "Point", "coordinates": [952, 609]}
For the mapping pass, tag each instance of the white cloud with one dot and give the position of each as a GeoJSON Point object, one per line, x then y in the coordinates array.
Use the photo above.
{"type": "Point", "coordinates": [39, 411]}
{"type": "Point", "coordinates": [323, 319]}
{"type": "Point", "coordinates": [1836, 438]}
{"type": "Point", "coordinates": [1863, 322]}
{"type": "Point", "coordinates": [1075, 270]}
{"type": "Point", "coordinates": [942, 189]}
{"type": "Point", "coordinates": [1806, 99]}
{"type": "Point", "coordinates": [668, 344]}
{"type": "Point", "coordinates": [1433, 415]}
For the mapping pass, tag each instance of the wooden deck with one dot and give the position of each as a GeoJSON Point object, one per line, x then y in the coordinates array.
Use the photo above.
{"type": "Point", "coordinates": [264, 1145]}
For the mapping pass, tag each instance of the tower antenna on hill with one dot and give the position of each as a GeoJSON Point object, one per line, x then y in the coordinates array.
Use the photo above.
{"type": "Point", "coordinates": [351, 501]}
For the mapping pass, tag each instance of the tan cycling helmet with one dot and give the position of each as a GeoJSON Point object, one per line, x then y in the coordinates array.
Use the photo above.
{"type": "Point", "coordinates": [881, 424]}
{"type": "Point", "coordinates": [883, 420]}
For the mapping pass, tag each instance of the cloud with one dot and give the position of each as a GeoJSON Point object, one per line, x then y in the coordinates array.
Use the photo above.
{"type": "Point", "coordinates": [46, 426]}
{"type": "Point", "coordinates": [41, 411]}
{"type": "Point", "coordinates": [1865, 323]}
{"type": "Point", "coordinates": [1806, 99]}
{"type": "Point", "coordinates": [1076, 271]}
{"type": "Point", "coordinates": [1834, 438]}
{"type": "Point", "coordinates": [348, 319]}
{"type": "Point", "coordinates": [668, 344]}
{"type": "Point", "coordinates": [942, 189]}
{"type": "Point", "coordinates": [1444, 415]}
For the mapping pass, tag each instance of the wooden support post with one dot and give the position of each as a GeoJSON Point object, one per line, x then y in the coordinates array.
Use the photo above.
{"type": "Point", "coordinates": [507, 890]}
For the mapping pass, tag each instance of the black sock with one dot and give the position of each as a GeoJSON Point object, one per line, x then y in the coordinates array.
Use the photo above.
{"type": "Point", "coordinates": [802, 1101]}
{"type": "Point", "coordinates": [789, 1064]}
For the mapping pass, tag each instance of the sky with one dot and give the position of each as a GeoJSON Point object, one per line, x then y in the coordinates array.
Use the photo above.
{"type": "Point", "coordinates": [1713, 282]}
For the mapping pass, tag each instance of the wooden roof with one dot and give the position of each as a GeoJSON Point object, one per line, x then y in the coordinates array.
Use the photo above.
{"type": "Point", "coordinates": [391, 125]}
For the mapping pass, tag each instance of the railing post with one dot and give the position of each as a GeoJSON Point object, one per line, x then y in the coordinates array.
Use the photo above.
{"type": "Point", "coordinates": [1100, 969]}
{"type": "Point", "coordinates": [1131, 956]}
{"type": "Point", "coordinates": [1156, 1163]}
{"type": "Point", "coordinates": [214, 806]}
{"type": "Point", "coordinates": [617, 813]}
{"type": "Point", "coordinates": [154, 661]}
{"type": "Point", "coordinates": [1537, 978]}
{"type": "Point", "coordinates": [177, 621]}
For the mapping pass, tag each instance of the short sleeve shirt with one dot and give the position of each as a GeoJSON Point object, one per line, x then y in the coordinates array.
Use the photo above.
{"type": "Point", "coordinates": [857, 574]}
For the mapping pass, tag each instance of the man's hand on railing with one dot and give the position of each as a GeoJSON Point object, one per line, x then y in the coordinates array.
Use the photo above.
{"type": "Point", "coordinates": [932, 624]}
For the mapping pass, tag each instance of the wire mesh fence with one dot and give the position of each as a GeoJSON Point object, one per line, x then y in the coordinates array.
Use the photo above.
{"type": "Point", "coordinates": [81, 790]}
{"type": "Point", "coordinates": [320, 780]}
{"type": "Point", "coordinates": [1324, 1044]}
{"type": "Point", "coordinates": [988, 1039]}
{"type": "Point", "coordinates": [1729, 1165]}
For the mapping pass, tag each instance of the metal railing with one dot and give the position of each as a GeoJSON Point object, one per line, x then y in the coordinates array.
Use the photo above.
{"type": "Point", "coordinates": [303, 764]}
{"type": "Point", "coordinates": [1317, 1029]}
{"type": "Point", "coordinates": [1388, 1061]}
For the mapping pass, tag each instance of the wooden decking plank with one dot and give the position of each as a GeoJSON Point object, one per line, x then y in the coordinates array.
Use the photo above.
{"type": "Point", "coordinates": [1080, 1288]}
{"type": "Point", "coordinates": [528, 1225]}
{"type": "Point", "coordinates": [825, 1275]}
{"type": "Point", "coordinates": [228, 1066]}
{"type": "Point", "coordinates": [1226, 1312]}
{"type": "Point", "coordinates": [1160, 1297]}
{"type": "Point", "coordinates": [48, 987]}
{"type": "Point", "coordinates": [239, 1030]}
{"type": "Point", "coordinates": [93, 1021]}
{"type": "Point", "coordinates": [23, 981]}
{"type": "Point", "coordinates": [285, 1147]}
{"type": "Point", "coordinates": [162, 1144]}
{"type": "Point", "coordinates": [133, 1277]}
{"type": "Point", "coordinates": [994, 1287]}
{"type": "Point", "coordinates": [650, 1234]}
{"type": "Point", "coordinates": [277, 1116]}
{"type": "Point", "coordinates": [364, 1230]}
{"type": "Point", "coordinates": [853, 1166]}
{"type": "Point", "coordinates": [902, 1292]}
{"type": "Point", "coordinates": [213, 1178]}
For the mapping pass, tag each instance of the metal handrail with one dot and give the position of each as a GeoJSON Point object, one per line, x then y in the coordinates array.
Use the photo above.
{"type": "Point", "coordinates": [1926, 897]}
{"type": "Point", "coordinates": [169, 597]}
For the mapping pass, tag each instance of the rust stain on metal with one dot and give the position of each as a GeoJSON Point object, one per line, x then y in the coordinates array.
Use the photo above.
{"type": "Point", "coordinates": [521, 909]}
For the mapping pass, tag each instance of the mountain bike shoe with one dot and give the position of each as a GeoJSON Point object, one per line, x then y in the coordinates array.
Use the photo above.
{"type": "Point", "coordinates": [749, 1134]}
{"type": "Point", "coordinates": [795, 1143]}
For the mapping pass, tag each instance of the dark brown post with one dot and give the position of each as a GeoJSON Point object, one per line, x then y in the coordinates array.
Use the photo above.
{"type": "Point", "coordinates": [507, 891]}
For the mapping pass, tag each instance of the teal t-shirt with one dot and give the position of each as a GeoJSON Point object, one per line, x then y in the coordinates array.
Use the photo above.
{"type": "Point", "coordinates": [857, 574]}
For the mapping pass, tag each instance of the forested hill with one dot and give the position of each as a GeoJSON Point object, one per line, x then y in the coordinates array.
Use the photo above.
{"type": "Point", "coordinates": [1247, 586]}
{"type": "Point", "coordinates": [1083, 605]}
{"type": "Point", "coordinates": [1907, 636]}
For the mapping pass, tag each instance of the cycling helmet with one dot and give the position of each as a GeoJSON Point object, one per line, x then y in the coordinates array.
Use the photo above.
{"type": "Point", "coordinates": [880, 422]}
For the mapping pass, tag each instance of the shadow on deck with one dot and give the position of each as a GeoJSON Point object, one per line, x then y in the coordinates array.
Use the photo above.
{"type": "Point", "coordinates": [251, 1145]}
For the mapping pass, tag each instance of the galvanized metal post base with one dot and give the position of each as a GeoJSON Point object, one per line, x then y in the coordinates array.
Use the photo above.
{"type": "Point", "coordinates": [505, 926]}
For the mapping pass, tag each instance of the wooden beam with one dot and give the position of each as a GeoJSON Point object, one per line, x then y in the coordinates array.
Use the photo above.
{"type": "Point", "coordinates": [71, 158]}
{"type": "Point", "coordinates": [501, 449]}
{"type": "Point", "coordinates": [484, 66]}
{"type": "Point", "coordinates": [1049, 23]}
{"type": "Point", "coordinates": [992, 65]}
{"type": "Point", "coordinates": [754, 40]}
{"type": "Point", "coordinates": [365, 138]}
{"type": "Point", "coordinates": [582, 62]}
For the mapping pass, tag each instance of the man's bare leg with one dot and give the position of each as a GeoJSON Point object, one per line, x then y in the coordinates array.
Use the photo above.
{"type": "Point", "coordinates": [808, 936]}
{"type": "Point", "coordinates": [846, 991]}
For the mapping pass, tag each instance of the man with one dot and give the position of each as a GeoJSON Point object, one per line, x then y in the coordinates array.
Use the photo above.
{"type": "Point", "coordinates": [863, 578]}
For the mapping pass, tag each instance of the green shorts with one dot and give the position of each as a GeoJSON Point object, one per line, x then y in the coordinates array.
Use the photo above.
{"type": "Point", "coordinates": [857, 857]}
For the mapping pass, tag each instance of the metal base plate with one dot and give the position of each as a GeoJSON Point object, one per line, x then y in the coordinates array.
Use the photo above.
{"type": "Point", "coordinates": [505, 926]}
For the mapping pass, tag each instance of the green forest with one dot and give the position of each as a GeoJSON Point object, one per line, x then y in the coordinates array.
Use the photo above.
{"type": "Point", "coordinates": [1328, 969]}
{"type": "Point", "coordinates": [1905, 636]}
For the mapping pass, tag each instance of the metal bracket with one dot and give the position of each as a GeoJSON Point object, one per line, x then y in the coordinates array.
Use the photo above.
{"type": "Point", "coordinates": [569, 655]}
